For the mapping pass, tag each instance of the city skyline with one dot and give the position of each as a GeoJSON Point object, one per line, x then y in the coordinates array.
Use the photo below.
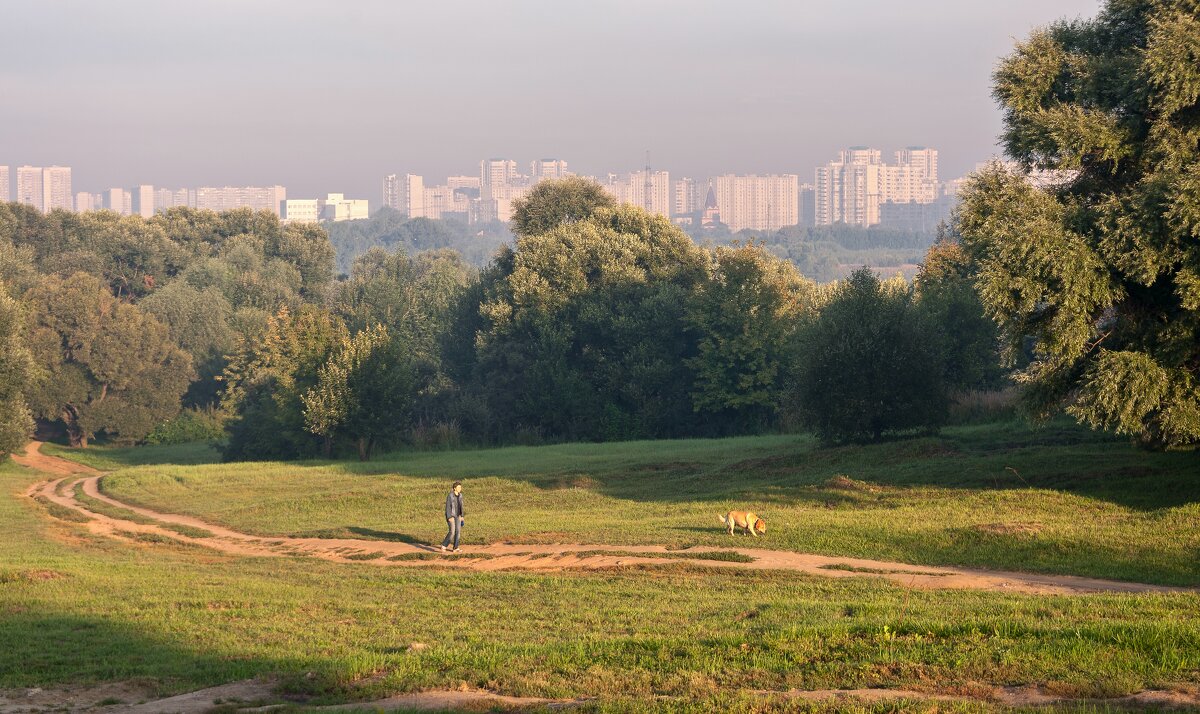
{"type": "Point", "coordinates": [856, 188]}
{"type": "Point", "coordinates": [376, 88]}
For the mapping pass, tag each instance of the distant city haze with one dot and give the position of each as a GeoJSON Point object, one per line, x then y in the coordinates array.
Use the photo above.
{"type": "Point", "coordinates": [324, 97]}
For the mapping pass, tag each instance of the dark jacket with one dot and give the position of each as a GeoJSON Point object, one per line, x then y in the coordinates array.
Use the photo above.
{"type": "Point", "coordinates": [454, 506]}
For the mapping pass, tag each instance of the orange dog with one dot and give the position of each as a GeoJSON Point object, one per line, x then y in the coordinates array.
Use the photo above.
{"type": "Point", "coordinates": [743, 519]}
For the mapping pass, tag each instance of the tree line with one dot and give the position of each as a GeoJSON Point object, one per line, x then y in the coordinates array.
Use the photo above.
{"type": "Point", "coordinates": [600, 322]}
{"type": "Point", "coordinates": [604, 322]}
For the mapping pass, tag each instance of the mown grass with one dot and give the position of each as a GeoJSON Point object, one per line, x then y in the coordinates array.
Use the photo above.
{"type": "Point", "coordinates": [1059, 499]}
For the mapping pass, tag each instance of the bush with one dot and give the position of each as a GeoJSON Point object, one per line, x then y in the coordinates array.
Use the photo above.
{"type": "Point", "coordinates": [189, 425]}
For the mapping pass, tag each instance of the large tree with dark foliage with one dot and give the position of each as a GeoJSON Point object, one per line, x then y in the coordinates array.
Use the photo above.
{"type": "Point", "coordinates": [586, 335]}
{"type": "Point", "coordinates": [870, 364]}
{"type": "Point", "coordinates": [1100, 271]}
{"type": "Point", "coordinates": [111, 367]}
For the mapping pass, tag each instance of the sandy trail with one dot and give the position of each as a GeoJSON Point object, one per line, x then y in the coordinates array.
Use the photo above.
{"type": "Point", "coordinates": [538, 557]}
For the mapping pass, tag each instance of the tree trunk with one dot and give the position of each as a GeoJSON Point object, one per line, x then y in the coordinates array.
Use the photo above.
{"type": "Point", "coordinates": [327, 447]}
{"type": "Point", "coordinates": [76, 436]}
{"type": "Point", "coordinates": [364, 448]}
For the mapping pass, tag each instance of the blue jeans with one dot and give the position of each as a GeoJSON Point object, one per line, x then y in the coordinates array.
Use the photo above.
{"type": "Point", "coordinates": [455, 525]}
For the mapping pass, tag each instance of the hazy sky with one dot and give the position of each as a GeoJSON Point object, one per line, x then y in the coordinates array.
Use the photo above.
{"type": "Point", "coordinates": [324, 97]}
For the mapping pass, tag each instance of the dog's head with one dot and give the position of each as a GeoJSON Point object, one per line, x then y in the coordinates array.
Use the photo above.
{"type": "Point", "coordinates": [760, 525]}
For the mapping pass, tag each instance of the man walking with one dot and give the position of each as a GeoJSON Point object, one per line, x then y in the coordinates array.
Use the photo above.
{"type": "Point", "coordinates": [454, 516]}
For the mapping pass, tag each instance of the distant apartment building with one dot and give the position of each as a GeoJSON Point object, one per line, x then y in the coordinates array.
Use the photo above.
{"type": "Point", "coordinates": [853, 188]}
{"type": "Point", "coordinates": [336, 207]}
{"type": "Point", "coordinates": [45, 188]}
{"type": "Point", "coordinates": [543, 169]}
{"type": "Point", "coordinates": [499, 186]}
{"type": "Point", "coordinates": [467, 184]}
{"type": "Point", "coordinates": [454, 200]}
{"type": "Point", "coordinates": [807, 213]}
{"type": "Point", "coordinates": [143, 200]}
{"type": "Point", "coordinates": [684, 201]}
{"type": "Point", "coordinates": [393, 194]}
{"type": "Point", "coordinates": [85, 201]}
{"type": "Point", "coordinates": [118, 200]}
{"type": "Point", "coordinates": [633, 188]}
{"type": "Point", "coordinates": [849, 188]}
{"type": "Point", "coordinates": [227, 198]}
{"type": "Point", "coordinates": [165, 198]}
{"type": "Point", "coordinates": [5, 186]}
{"type": "Point", "coordinates": [761, 203]}
{"type": "Point", "coordinates": [414, 196]}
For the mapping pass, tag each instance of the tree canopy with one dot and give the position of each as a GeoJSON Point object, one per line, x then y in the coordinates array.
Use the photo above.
{"type": "Point", "coordinates": [1097, 274]}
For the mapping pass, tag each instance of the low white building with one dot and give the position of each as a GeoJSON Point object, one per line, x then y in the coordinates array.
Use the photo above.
{"type": "Point", "coordinates": [336, 207]}
{"type": "Point", "coordinates": [301, 210]}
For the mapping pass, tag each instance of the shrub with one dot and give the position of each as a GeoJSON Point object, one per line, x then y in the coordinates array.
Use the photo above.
{"type": "Point", "coordinates": [189, 425]}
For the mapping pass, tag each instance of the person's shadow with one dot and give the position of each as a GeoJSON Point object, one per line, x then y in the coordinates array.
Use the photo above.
{"type": "Point", "coordinates": [391, 537]}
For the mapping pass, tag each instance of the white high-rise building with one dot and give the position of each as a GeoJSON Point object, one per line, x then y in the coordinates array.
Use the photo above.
{"type": "Point", "coordinates": [56, 187]}
{"type": "Point", "coordinates": [118, 200]}
{"type": "Point", "coordinates": [543, 169]}
{"type": "Point", "coordinates": [165, 198]}
{"type": "Point", "coordinates": [5, 187]}
{"type": "Point", "coordinates": [496, 173]}
{"type": "Point", "coordinates": [85, 202]}
{"type": "Point", "coordinates": [45, 188]}
{"type": "Point", "coordinates": [684, 200]}
{"type": "Point", "coordinates": [256, 198]}
{"type": "Point", "coordinates": [499, 186]}
{"type": "Point", "coordinates": [849, 189]}
{"type": "Point", "coordinates": [29, 187]}
{"type": "Point", "coordinates": [853, 188]}
{"type": "Point", "coordinates": [414, 196]}
{"type": "Point", "coordinates": [393, 195]}
{"type": "Point", "coordinates": [143, 200]}
{"type": "Point", "coordinates": [761, 203]}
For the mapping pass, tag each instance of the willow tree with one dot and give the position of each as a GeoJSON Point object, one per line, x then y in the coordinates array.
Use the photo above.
{"type": "Point", "coordinates": [1094, 271]}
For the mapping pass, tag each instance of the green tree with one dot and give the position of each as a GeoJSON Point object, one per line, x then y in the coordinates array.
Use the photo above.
{"type": "Point", "coordinates": [745, 316]}
{"type": "Point", "coordinates": [586, 336]}
{"type": "Point", "coordinates": [266, 377]}
{"type": "Point", "coordinates": [111, 367]}
{"type": "Point", "coordinates": [945, 287]}
{"type": "Point", "coordinates": [17, 371]}
{"type": "Point", "coordinates": [557, 202]}
{"type": "Point", "coordinates": [200, 322]}
{"type": "Point", "coordinates": [1100, 270]}
{"type": "Point", "coordinates": [363, 393]}
{"type": "Point", "coordinates": [869, 364]}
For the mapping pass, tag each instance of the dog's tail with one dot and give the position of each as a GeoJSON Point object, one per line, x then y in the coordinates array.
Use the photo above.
{"type": "Point", "coordinates": [724, 519]}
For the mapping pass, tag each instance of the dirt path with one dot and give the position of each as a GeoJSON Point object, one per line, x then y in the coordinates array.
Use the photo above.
{"type": "Point", "coordinates": [505, 556]}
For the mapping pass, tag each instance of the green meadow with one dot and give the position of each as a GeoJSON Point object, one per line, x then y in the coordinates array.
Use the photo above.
{"type": "Point", "coordinates": [77, 608]}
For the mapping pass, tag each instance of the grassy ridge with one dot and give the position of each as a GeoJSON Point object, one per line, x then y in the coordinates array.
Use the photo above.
{"type": "Point", "coordinates": [76, 609]}
{"type": "Point", "coordinates": [1058, 499]}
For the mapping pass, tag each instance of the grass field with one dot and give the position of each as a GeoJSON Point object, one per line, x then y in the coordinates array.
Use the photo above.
{"type": "Point", "coordinates": [1056, 500]}
{"type": "Point", "coordinates": [77, 608]}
